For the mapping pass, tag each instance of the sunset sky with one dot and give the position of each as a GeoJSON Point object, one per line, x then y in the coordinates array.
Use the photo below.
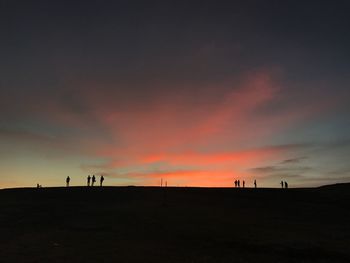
{"type": "Point", "coordinates": [198, 93]}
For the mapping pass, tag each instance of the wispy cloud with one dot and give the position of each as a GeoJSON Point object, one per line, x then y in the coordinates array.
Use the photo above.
{"type": "Point", "coordinates": [294, 160]}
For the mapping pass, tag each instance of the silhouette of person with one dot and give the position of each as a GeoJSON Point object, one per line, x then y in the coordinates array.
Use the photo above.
{"type": "Point", "coordinates": [285, 185]}
{"type": "Point", "coordinates": [88, 180]}
{"type": "Point", "coordinates": [282, 184]}
{"type": "Point", "coordinates": [93, 180]}
{"type": "Point", "coordinates": [235, 183]}
{"type": "Point", "coordinates": [101, 180]}
{"type": "Point", "coordinates": [255, 183]}
{"type": "Point", "coordinates": [67, 181]}
{"type": "Point", "coordinates": [243, 183]}
{"type": "Point", "coordinates": [238, 183]}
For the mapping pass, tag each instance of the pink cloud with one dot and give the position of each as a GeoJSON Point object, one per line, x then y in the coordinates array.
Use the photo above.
{"type": "Point", "coordinates": [216, 130]}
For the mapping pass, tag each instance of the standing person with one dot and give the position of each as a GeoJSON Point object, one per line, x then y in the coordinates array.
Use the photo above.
{"type": "Point", "coordinates": [101, 180]}
{"type": "Point", "coordinates": [67, 181]}
{"type": "Point", "coordinates": [255, 183]}
{"type": "Point", "coordinates": [282, 184]}
{"type": "Point", "coordinates": [88, 180]}
{"type": "Point", "coordinates": [285, 185]}
{"type": "Point", "coordinates": [93, 180]}
{"type": "Point", "coordinates": [235, 183]}
{"type": "Point", "coordinates": [243, 183]}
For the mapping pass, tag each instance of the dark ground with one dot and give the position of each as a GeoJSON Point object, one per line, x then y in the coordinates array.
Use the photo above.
{"type": "Point", "coordinates": [149, 224]}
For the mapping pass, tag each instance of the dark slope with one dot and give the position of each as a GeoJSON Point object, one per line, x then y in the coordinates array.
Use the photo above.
{"type": "Point", "coordinates": [337, 189]}
{"type": "Point", "coordinates": [147, 224]}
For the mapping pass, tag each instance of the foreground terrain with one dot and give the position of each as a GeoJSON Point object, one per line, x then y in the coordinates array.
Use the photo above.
{"type": "Point", "coordinates": [150, 224]}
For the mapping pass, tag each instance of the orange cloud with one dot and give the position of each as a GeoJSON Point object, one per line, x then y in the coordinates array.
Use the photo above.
{"type": "Point", "coordinates": [205, 137]}
{"type": "Point", "coordinates": [241, 158]}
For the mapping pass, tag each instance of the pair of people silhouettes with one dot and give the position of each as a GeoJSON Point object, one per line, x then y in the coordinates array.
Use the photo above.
{"type": "Point", "coordinates": [237, 183]}
{"type": "Point", "coordinates": [92, 179]}
{"type": "Point", "coordinates": [284, 184]}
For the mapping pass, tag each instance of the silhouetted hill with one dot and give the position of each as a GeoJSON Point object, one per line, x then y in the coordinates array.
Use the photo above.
{"type": "Point", "coordinates": [152, 224]}
{"type": "Point", "coordinates": [343, 188]}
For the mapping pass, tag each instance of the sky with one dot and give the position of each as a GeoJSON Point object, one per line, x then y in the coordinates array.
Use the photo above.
{"type": "Point", "coordinates": [194, 93]}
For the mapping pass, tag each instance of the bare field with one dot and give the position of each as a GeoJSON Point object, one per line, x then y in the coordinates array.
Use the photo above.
{"type": "Point", "coordinates": [150, 224]}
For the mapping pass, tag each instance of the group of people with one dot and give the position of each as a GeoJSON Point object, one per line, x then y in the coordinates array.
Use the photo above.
{"type": "Point", "coordinates": [238, 183]}
{"type": "Point", "coordinates": [91, 180]}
